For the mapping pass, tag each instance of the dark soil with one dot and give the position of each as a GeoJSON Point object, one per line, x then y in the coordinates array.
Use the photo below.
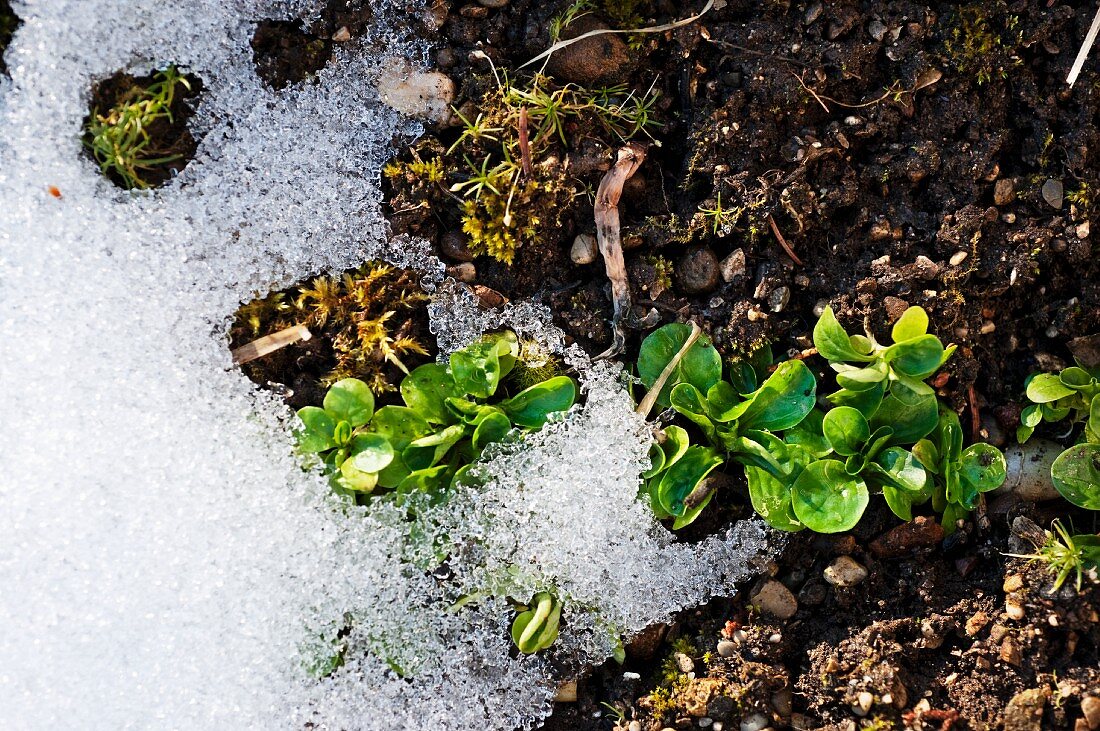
{"type": "Point", "coordinates": [288, 52]}
{"type": "Point", "coordinates": [9, 22]}
{"type": "Point", "coordinates": [908, 154]}
{"type": "Point", "coordinates": [170, 138]}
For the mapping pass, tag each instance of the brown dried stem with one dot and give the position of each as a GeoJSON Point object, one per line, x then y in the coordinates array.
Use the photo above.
{"type": "Point", "coordinates": [270, 343]}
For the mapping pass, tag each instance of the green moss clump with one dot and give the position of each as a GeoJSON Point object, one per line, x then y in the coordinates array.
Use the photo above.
{"type": "Point", "coordinates": [982, 43]}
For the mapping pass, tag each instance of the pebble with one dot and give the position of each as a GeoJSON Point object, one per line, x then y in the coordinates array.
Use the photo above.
{"type": "Point", "coordinates": [705, 721]}
{"type": "Point", "coordinates": [1028, 467]}
{"type": "Point", "coordinates": [342, 36]}
{"type": "Point", "coordinates": [779, 298]}
{"type": "Point", "coordinates": [845, 571]}
{"type": "Point", "coordinates": [812, 13]}
{"type": "Point", "coordinates": [1025, 711]}
{"type": "Point", "coordinates": [876, 29]}
{"type": "Point", "coordinates": [754, 722]}
{"type": "Point", "coordinates": [634, 726]}
{"type": "Point", "coordinates": [423, 94]}
{"type": "Point", "coordinates": [987, 327]}
{"type": "Point", "coordinates": [783, 702]}
{"type": "Point", "coordinates": [1014, 609]}
{"type": "Point", "coordinates": [683, 662]}
{"type": "Point", "coordinates": [726, 648]}
{"type": "Point", "coordinates": [585, 249]}
{"type": "Point", "coordinates": [464, 272]}
{"type": "Point", "coordinates": [1052, 192]}
{"type": "Point", "coordinates": [595, 60]}
{"type": "Point", "coordinates": [454, 246]}
{"type": "Point", "coordinates": [819, 307]}
{"type": "Point", "coordinates": [776, 600]}
{"type": "Point", "coordinates": [921, 532]}
{"type": "Point", "coordinates": [864, 701]}
{"type": "Point", "coordinates": [895, 308]}
{"type": "Point", "coordinates": [926, 268]}
{"type": "Point", "coordinates": [976, 623]}
{"type": "Point", "coordinates": [697, 272]}
{"type": "Point", "coordinates": [1004, 192]}
{"type": "Point", "coordinates": [493, 3]}
{"type": "Point", "coordinates": [958, 258]}
{"type": "Point", "coordinates": [1090, 707]}
{"type": "Point", "coordinates": [1082, 230]}
{"type": "Point", "coordinates": [733, 266]}
{"type": "Point", "coordinates": [932, 637]}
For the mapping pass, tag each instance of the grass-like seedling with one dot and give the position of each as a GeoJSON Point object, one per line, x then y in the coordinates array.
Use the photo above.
{"type": "Point", "coordinates": [1073, 394]}
{"type": "Point", "coordinates": [120, 138]}
{"type": "Point", "coordinates": [1066, 555]}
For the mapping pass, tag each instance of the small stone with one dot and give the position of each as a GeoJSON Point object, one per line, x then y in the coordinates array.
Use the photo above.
{"type": "Point", "coordinates": [783, 702]}
{"type": "Point", "coordinates": [1052, 192]}
{"type": "Point", "coordinates": [595, 60]}
{"type": "Point", "coordinates": [733, 266]}
{"type": "Point", "coordinates": [958, 258]}
{"type": "Point", "coordinates": [1014, 609]}
{"type": "Point", "coordinates": [1083, 230]}
{"type": "Point", "coordinates": [705, 722]}
{"type": "Point", "coordinates": [683, 662]}
{"type": "Point", "coordinates": [932, 637]}
{"type": "Point", "coordinates": [812, 13]}
{"type": "Point", "coordinates": [1090, 708]}
{"type": "Point", "coordinates": [779, 298]}
{"type": "Point", "coordinates": [343, 35]}
{"type": "Point", "coordinates": [774, 599]}
{"type": "Point", "coordinates": [987, 327]}
{"type": "Point", "coordinates": [1086, 350]}
{"type": "Point", "coordinates": [876, 29]}
{"type": "Point", "coordinates": [926, 268]}
{"type": "Point", "coordinates": [754, 722]}
{"type": "Point", "coordinates": [493, 3]}
{"type": "Point", "coordinates": [464, 272]}
{"type": "Point", "coordinates": [585, 249]}
{"type": "Point", "coordinates": [895, 308]}
{"type": "Point", "coordinates": [1025, 711]}
{"type": "Point", "coordinates": [922, 532]}
{"type": "Point", "coordinates": [845, 571]}
{"type": "Point", "coordinates": [726, 648]}
{"type": "Point", "coordinates": [697, 272]}
{"type": "Point", "coordinates": [864, 701]}
{"type": "Point", "coordinates": [455, 246]}
{"type": "Point", "coordinates": [819, 307]}
{"type": "Point", "coordinates": [976, 623]}
{"type": "Point", "coordinates": [1004, 192]}
{"type": "Point", "coordinates": [423, 94]}
{"type": "Point", "coordinates": [634, 726]}
{"type": "Point", "coordinates": [1012, 582]}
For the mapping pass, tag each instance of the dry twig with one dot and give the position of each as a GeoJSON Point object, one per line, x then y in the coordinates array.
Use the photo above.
{"type": "Point", "coordinates": [270, 343]}
{"type": "Point", "coordinates": [646, 404]}
{"type": "Point", "coordinates": [1083, 54]}
{"type": "Point", "coordinates": [783, 242]}
{"type": "Point", "coordinates": [629, 159]}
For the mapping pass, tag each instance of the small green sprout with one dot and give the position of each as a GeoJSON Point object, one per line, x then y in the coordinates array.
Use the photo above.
{"type": "Point", "coordinates": [1065, 555]}
{"type": "Point", "coordinates": [1074, 394]}
{"type": "Point", "coordinates": [536, 626]}
{"type": "Point", "coordinates": [119, 138]}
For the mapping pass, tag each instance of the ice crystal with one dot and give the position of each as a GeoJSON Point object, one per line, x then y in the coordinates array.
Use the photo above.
{"type": "Point", "coordinates": [165, 562]}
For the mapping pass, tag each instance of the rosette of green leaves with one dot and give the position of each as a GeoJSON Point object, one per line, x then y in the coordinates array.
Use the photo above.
{"type": "Point", "coordinates": [450, 414]}
{"type": "Point", "coordinates": [872, 375]}
{"type": "Point", "coordinates": [536, 626]}
{"type": "Point", "coordinates": [960, 475]}
{"type": "Point", "coordinates": [1072, 394]}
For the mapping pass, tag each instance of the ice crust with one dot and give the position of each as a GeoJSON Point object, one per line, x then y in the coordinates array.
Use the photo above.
{"type": "Point", "coordinates": [164, 561]}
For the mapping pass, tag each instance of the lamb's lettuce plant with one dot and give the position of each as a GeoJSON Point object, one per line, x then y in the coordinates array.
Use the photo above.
{"type": "Point", "coordinates": [536, 626]}
{"type": "Point", "coordinates": [450, 414]}
{"type": "Point", "coordinates": [1073, 394]}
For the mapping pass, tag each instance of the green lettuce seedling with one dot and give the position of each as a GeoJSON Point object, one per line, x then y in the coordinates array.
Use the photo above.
{"type": "Point", "coordinates": [536, 626]}
{"type": "Point", "coordinates": [870, 373]}
{"type": "Point", "coordinates": [451, 413]}
{"type": "Point", "coordinates": [960, 475]}
{"type": "Point", "coordinates": [1074, 394]}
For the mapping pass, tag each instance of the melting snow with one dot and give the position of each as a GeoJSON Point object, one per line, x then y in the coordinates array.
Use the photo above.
{"type": "Point", "coordinates": [164, 561]}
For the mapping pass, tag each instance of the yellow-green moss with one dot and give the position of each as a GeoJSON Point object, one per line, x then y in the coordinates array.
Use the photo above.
{"type": "Point", "coordinates": [982, 41]}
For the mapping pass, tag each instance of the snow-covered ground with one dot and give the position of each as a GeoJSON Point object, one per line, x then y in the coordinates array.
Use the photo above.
{"type": "Point", "coordinates": [164, 562]}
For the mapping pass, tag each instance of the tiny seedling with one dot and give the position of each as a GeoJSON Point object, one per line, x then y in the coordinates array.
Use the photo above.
{"type": "Point", "coordinates": [1073, 394]}
{"type": "Point", "coordinates": [1065, 555]}
{"type": "Point", "coordinates": [536, 626]}
{"type": "Point", "coordinates": [120, 140]}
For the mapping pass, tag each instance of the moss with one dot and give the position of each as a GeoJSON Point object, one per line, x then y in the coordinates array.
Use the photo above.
{"type": "Point", "coordinates": [982, 40]}
{"type": "Point", "coordinates": [663, 270]}
{"type": "Point", "coordinates": [364, 313]}
{"type": "Point", "coordinates": [535, 365]}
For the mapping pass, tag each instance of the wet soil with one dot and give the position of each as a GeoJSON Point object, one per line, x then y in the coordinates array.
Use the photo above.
{"type": "Point", "coordinates": [168, 137]}
{"type": "Point", "coordinates": [9, 22]}
{"type": "Point", "coordinates": [871, 156]}
{"type": "Point", "coordinates": [290, 51]}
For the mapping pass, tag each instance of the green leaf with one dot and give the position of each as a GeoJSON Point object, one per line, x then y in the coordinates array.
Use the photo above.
{"type": "Point", "coordinates": [350, 400]}
{"type": "Point", "coordinates": [676, 441]}
{"type": "Point", "coordinates": [400, 426]}
{"type": "Point", "coordinates": [493, 428]}
{"type": "Point", "coordinates": [1076, 475]}
{"type": "Point", "coordinates": [318, 430]}
{"type": "Point", "coordinates": [425, 390]}
{"type": "Point", "coordinates": [902, 470]}
{"type": "Point", "coordinates": [724, 403]}
{"type": "Point", "coordinates": [1046, 387]}
{"type": "Point", "coordinates": [827, 499]}
{"type": "Point", "coordinates": [783, 400]}
{"type": "Point", "coordinates": [865, 402]}
{"type": "Point", "coordinates": [846, 430]}
{"type": "Point", "coordinates": [912, 324]}
{"type": "Point", "coordinates": [426, 480]}
{"type": "Point", "coordinates": [370, 452]}
{"type": "Point", "coordinates": [833, 343]}
{"type": "Point", "coordinates": [506, 345]}
{"type": "Point", "coordinates": [771, 497]}
{"type": "Point", "coordinates": [858, 379]}
{"type": "Point", "coordinates": [1094, 416]}
{"type": "Point", "coordinates": [342, 433]}
{"type": "Point", "coordinates": [352, 478]}
{"type": "Point", "coordinates": [1075, 377]}
{"type": "Point", "coordinates": [701, 366]}
{"type": "Point", "coordinates": [917, 358]}
{"type": "Point", "coordinates": [688, 402]}
{"type": "Point", "coordinates": [537, 628]}
{"type": "Point", "coordinates": [809, 434]}
{"type": "Point", "coordinates": [530, 407]}
{"type": "Point", "coordinates": [898, 502]}
{"type": "Point", "coordinates": [742, 377]}
{"type": "Point", "coordinates": [909, 422]}
{"type": "Point", "coordinates": [679, 482]}
{"type": "Point", "coordinates": [656, 461]}
{"type": "Point", "coordinates": [476, 369]}
{"type": "Point", "coordinates": [759, 449]}
{"type": "Point", "coordinates": [929, 456]}
{"type": "Point", "coordinates": [983, 466]}
{"type": "Point", "coordinates": [426, 451]}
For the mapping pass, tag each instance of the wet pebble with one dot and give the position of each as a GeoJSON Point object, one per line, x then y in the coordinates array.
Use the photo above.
{"type": "Point", "coordinates": [1052, 192]}
{"type": "Point", "coordinates": [423, 94]}
{"type": "Point", "coordinates": [1004, 192]}
{"type": "Point", "coordinates": [733, 266]}
{"type": "Point", "coordinates": [958, 258]}
{"type": "Point", "coordinates": [585, 249]}
{"type": "Point", "coordinates": [454, 246]}
{"type": "Point", "coordinates": [926, 268]}
{"type": "Point", "coordinates": [1014, 609]}
{"type": "Point", "coordinates": [464, 272]}
{"type": "Point", "coordinates": [779, 298]}
{"type": "Point", "coordinates": [776, 600]}
{"type": "Point", "coordinates": [863, 704]}
{"type": "Point", "coordinates": [845, 571]}
{"type": "Point", "coordinates": [754, 722]}
{"type": "Point", "coordinates": [697, 272]}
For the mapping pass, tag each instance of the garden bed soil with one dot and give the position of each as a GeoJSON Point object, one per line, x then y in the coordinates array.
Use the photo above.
{"type": "Point", "coordinates": [906, 154]}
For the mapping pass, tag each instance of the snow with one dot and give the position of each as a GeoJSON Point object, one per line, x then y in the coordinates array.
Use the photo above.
{"type": "Point", "coordinates": [165, 562]}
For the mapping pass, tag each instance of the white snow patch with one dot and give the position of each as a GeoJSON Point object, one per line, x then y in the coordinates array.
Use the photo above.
{"type": "Point", "coordinates": [165, 563]}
